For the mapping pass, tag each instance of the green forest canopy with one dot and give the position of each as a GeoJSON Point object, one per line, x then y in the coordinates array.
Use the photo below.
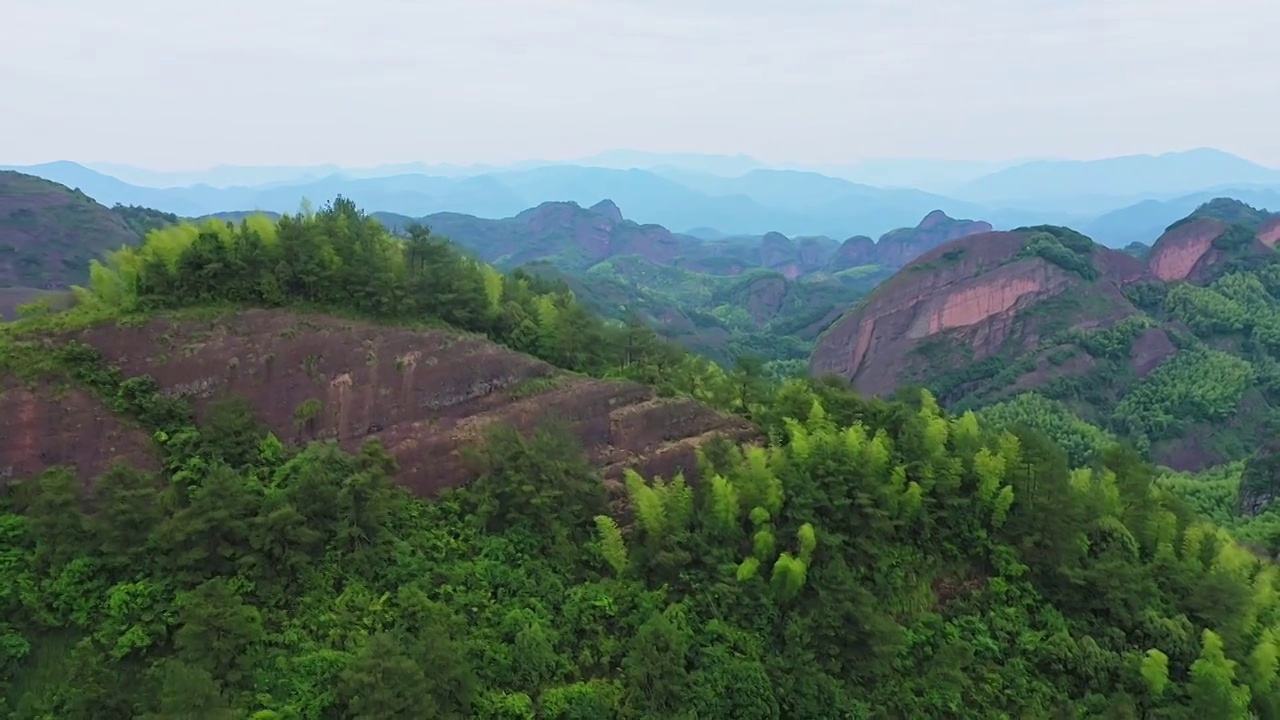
{"type": "Point", "coordinates": [871, 560]}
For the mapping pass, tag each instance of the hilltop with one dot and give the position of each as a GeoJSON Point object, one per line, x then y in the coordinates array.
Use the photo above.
{"type": "Point", "coordinates": [1122, 342]}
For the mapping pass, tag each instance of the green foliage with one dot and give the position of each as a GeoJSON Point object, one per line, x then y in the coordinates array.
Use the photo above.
{"type": "Point", "coordinates": [1082, 441]}
{"type": "Point", "coordinates": [1066, 252]}
{"type": "Point", "coordinates": [1194, 385]}
{"type": "Point", "coordinates": [869, 559]}
{"type": "Point", "coordinates": [1228, 210]}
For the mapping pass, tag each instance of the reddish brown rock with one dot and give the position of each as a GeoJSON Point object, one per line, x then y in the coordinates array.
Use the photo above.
{"type": "Point", "coordinates": [777, 250]}
{"type": "Point", "coordinates": [765, 296]}
{"type": "Point", "coordinates": [1149, 349]}
{"type": "Point", "coordinates": [971, 291]}
{"type": "Point", "coordinates": [424, 394]}
{"type": "Point", "coordinates": [44, 426]}
{"type": "Point", "coordinates": [815, 252]}
{"type": "Point", "coordinates": [1174, 256]}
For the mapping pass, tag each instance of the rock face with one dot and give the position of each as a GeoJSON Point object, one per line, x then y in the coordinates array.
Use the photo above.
{"type": "Point", "coordinates": [815, 252]}
{"type": "Point", "coordinates": [1176, 254]}
{"type": "Point", "coordinates": [977, 289]}
{"type": "Point", "coordinates": [44, 426]}
{"type": "Point", "coordinates": [423, 394]}
{"type": "Point", "coordinates": [778, 252]}
{"type": "Point", "coordinates": [765, 296]}
{"type": "Point", "coordinates": [608, 209]}
{"type": "Point", "coordinates": [971, 292]}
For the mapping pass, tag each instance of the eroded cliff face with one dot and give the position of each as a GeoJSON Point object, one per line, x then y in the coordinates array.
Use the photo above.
{"type": "Point", "coordinates": [971, 287]}
{"type": "Point", "coordinates": [423, 394]}
{"type": "Point", "coordinates": [44, 426]}
{"type": "Point", "coordinates": [1174, 256]}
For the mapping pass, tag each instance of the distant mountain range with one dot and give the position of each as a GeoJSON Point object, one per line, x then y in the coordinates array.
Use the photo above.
{"type": "Point", "coordinates": [1116, 200]}
{"type": "Point", "coordinates": [574, 239]}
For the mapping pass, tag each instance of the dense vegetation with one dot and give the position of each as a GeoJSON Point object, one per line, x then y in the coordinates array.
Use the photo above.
{"type": "Point", "coordinates": [760, 313]}
{"type": "Point", "coordinates": [1063, 247]}
{"type": "Point", "coordinates": [872, 560]}
{"type": "Point", "coordinates": [1216, 398]}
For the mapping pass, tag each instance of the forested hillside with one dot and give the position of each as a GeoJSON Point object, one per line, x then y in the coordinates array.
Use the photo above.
{"type": "Point", "coordinates": [871, 559]}
{"type": "Point", "coordinates": [1169, 353]}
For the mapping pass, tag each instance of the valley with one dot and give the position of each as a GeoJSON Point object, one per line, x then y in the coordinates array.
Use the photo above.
{"type": "Point", "coordinates": [563, 464]}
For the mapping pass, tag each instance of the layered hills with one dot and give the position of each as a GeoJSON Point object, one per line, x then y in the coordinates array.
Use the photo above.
{"type": "Point", "coordinates": [769, 295]}
{"type": "Point", "coordinates": [222, 429]}
{"type": "Point", "coordinates": [1124, 343]}
{"type": "Point", "coordinates": [1116, 201]}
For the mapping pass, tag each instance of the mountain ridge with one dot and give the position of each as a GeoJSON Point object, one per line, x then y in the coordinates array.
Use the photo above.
{"type": "Point", "coordinates": [756, 200]}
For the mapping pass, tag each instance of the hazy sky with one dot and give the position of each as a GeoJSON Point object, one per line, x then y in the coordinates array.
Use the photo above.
{"type": "Point", "coordinates": [174, 84]}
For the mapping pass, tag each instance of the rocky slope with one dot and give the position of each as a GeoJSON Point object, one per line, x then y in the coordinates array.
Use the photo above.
{"type": "Point", "coordinates": [969, 292]}
{"type": "Point", "coordinates": [988, 316]}
{"type": "Point", "coordinates": [425, 394]}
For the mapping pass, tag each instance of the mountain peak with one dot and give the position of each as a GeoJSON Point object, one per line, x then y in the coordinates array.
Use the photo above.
{"type": "Point", "coordinates": [933, 219]}
{"type": "Point", "coordinates": [609, 209]}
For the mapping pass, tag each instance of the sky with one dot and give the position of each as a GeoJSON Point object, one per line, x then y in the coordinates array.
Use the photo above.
{"type": "Point", "coordinates": [182, 85]}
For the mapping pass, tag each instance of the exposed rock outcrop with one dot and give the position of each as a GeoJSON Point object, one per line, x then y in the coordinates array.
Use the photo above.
{"type": "Point", "coordinates": [970, 292]}
{"type": "Point", "coordinates": [423, 394]}
{"type": "Point", "coordinates": [1175, 255]}
{"type": "Point", "coordinates": [44, 426]}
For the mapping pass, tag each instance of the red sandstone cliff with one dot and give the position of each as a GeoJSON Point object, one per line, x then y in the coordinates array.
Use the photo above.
{"type": "Point", "coordinates": [1176, 253]}
{"type": "Point", "coordinates": [969, 292]}
{"type": "Point", "coordinates": [424, 394]}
